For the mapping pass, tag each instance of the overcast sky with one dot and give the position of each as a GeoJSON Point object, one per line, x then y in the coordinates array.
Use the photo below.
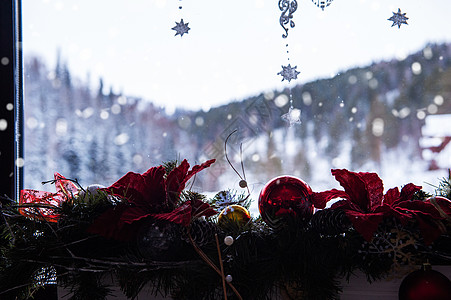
{"type": "Point", "coordinates": [234, 48]}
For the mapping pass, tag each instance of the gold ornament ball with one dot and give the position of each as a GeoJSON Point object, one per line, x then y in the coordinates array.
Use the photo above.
{"type": "Point", "coordinates": [234, 213]}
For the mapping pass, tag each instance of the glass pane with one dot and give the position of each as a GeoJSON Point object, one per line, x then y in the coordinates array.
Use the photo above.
{"type": "Point", "coordinates": [111, 88]}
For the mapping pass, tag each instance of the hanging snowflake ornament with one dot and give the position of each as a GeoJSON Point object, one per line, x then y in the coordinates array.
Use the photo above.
{"type": "Point", "coordinates": [181, 28]}
{"type": "Point", "coordinates": [224, 199]}
{"type": "Point", "coordinates": [293, 116]}
{"type": "Point", "coordinates": [398, 18]}
{"type": "Point", "coordinates": [289, 73]}
{"type": "Point", "coordinates": [322, 3]}
{"type": "Point", "coordinates": [287, 8]}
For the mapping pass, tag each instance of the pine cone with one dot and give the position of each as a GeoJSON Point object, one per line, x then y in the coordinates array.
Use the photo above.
{"type": "Point", "coordinates": [159, 240]}
{"type": "Point", "coordinates": [202, 232]}
{"type": "Point", "coordinates": [330, 221]}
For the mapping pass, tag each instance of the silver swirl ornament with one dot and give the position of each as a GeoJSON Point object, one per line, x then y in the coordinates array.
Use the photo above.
{"type": "Point", "coordinates": [288, 8]}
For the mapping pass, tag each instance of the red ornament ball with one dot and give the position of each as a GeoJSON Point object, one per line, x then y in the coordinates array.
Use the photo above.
{"type": "Point", "coordinates": [425, 284]}
{"type": "Point", "coordinates": [285, 197]}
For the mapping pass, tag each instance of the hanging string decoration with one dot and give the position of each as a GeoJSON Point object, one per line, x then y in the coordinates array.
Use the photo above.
{"type": "Point", "coordinates": [323, 3]}
{"type": "Point", "coordinates": [181, 27]}
{"type": "Point", "coordinates": [293, 116]}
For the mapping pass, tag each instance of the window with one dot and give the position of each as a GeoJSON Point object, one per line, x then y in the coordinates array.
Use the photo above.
{"type": "Point", "coordinates": [110, 89]}
{"type": "Point", "coordinates": [10, 99]}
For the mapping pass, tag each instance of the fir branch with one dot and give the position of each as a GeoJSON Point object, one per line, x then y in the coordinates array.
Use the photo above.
{"type": "Point", "coordinates": [5, 221]}
{"type": "Point", "coordinates": [169, 166]}
{"type": "Point", "coordinates": [444, 188]}
{"type": "Point", "coordinates": [303, 259]}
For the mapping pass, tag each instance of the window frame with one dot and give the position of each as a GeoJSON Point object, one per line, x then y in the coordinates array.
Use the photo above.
{"type": "Point", "coordinates": [11, 91]}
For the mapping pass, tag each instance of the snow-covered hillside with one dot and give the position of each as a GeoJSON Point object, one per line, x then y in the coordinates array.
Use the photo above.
{"type": "Point", "coordinates": [364, 119]}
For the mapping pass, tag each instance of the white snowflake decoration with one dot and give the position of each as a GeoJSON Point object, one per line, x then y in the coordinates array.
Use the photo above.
{"type": "Point", "coordinates": [181, 28]}
{"type": "Point", "coordinates": [226, 199]}
{"type": "Point", "coordinates": [293, 116]}
{"type": "Point", "coordinates": [322, 3]}
{"type": "Point", "coordinates": [289, 73]}
{"type": "Point", "coordinates": [398, 18]}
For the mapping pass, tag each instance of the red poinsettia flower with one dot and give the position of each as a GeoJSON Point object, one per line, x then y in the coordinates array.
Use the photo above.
{"type": "Point", "coordinates": [189, 210]}
{"type": "Point", "coordinates": [149, 195]}
{"type": "Point", "coordinates": [41, 205]}
{"type": "Point", "coordinates": [366, 205]}
{"type": "Point", "coordinates": [429, 214]}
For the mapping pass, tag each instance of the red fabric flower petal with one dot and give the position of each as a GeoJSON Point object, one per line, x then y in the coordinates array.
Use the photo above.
{"type": "Point", "coordinates": [41, 204]}
{"type": "Point", "coordinates": [392, 196]}
{"type": "Point", "coordinates": [196, 169]}
{"type": "Point", "coordinates": [353, 186]}
{"type": "Point", "coordinates": [366, 206]}
{"type": "Point", "coordinates": [442, 204]}
{"type": "Point", "coordinates": [109, 224]}
{"type": "Point", "coordinates": [150, 195]}
{"type": "Point", "coordinates": [374, 188]}
{"type": "Point", "coordinates": [65, 186]}
{"type": "Point", "coordinates": [178, 177]}
{"type": "Point", "coordinates": [346, 205]}
{"type": "Point", "coordinates": [145, 194]}
{"type": "Point", "coordinates": [128, 187]}
{"type": "Point", "coordinates": [364, 189]}
{"type": "Point", "coordinates": [429, 229]}
{"type": "Point", "coordinates": [133, 214]}
{"type": "Point", "coordinates": [365, 223]}
{"type": "Point", "coordinates": [180, 215]}
{"type": "Point", "coordinates": [45, 203]}
{"type": "Point", "coordinates": [427, 216]}
{"type": "Point", "coordinates": [408, 191]}
{"type": "Point", "coordinates": [202, 209]}
{"type": "Point", "coordinates": [175, 182]}
{"type": "Point", "coordinates": [320, 199]}
{"type": "Point", "coordinates": [154, 190]}
{"type": "Point", "coordinates": [401, 214]}
{"type": "Point", "coordinates": [186, 212]}
{"type": "Point", "coordinates": [146, 190]}
{"type": "Point", "coordinates": [421, 207]}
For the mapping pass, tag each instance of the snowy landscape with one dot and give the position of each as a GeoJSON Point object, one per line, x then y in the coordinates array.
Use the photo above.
{"type": "Point", "coordinates": [380, 118]}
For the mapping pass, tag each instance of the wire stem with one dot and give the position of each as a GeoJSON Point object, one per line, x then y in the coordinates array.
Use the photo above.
{"type": "Point", "coordinates": [211, 264]}
{"type": "Point", "coordinates": [222, 266]}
